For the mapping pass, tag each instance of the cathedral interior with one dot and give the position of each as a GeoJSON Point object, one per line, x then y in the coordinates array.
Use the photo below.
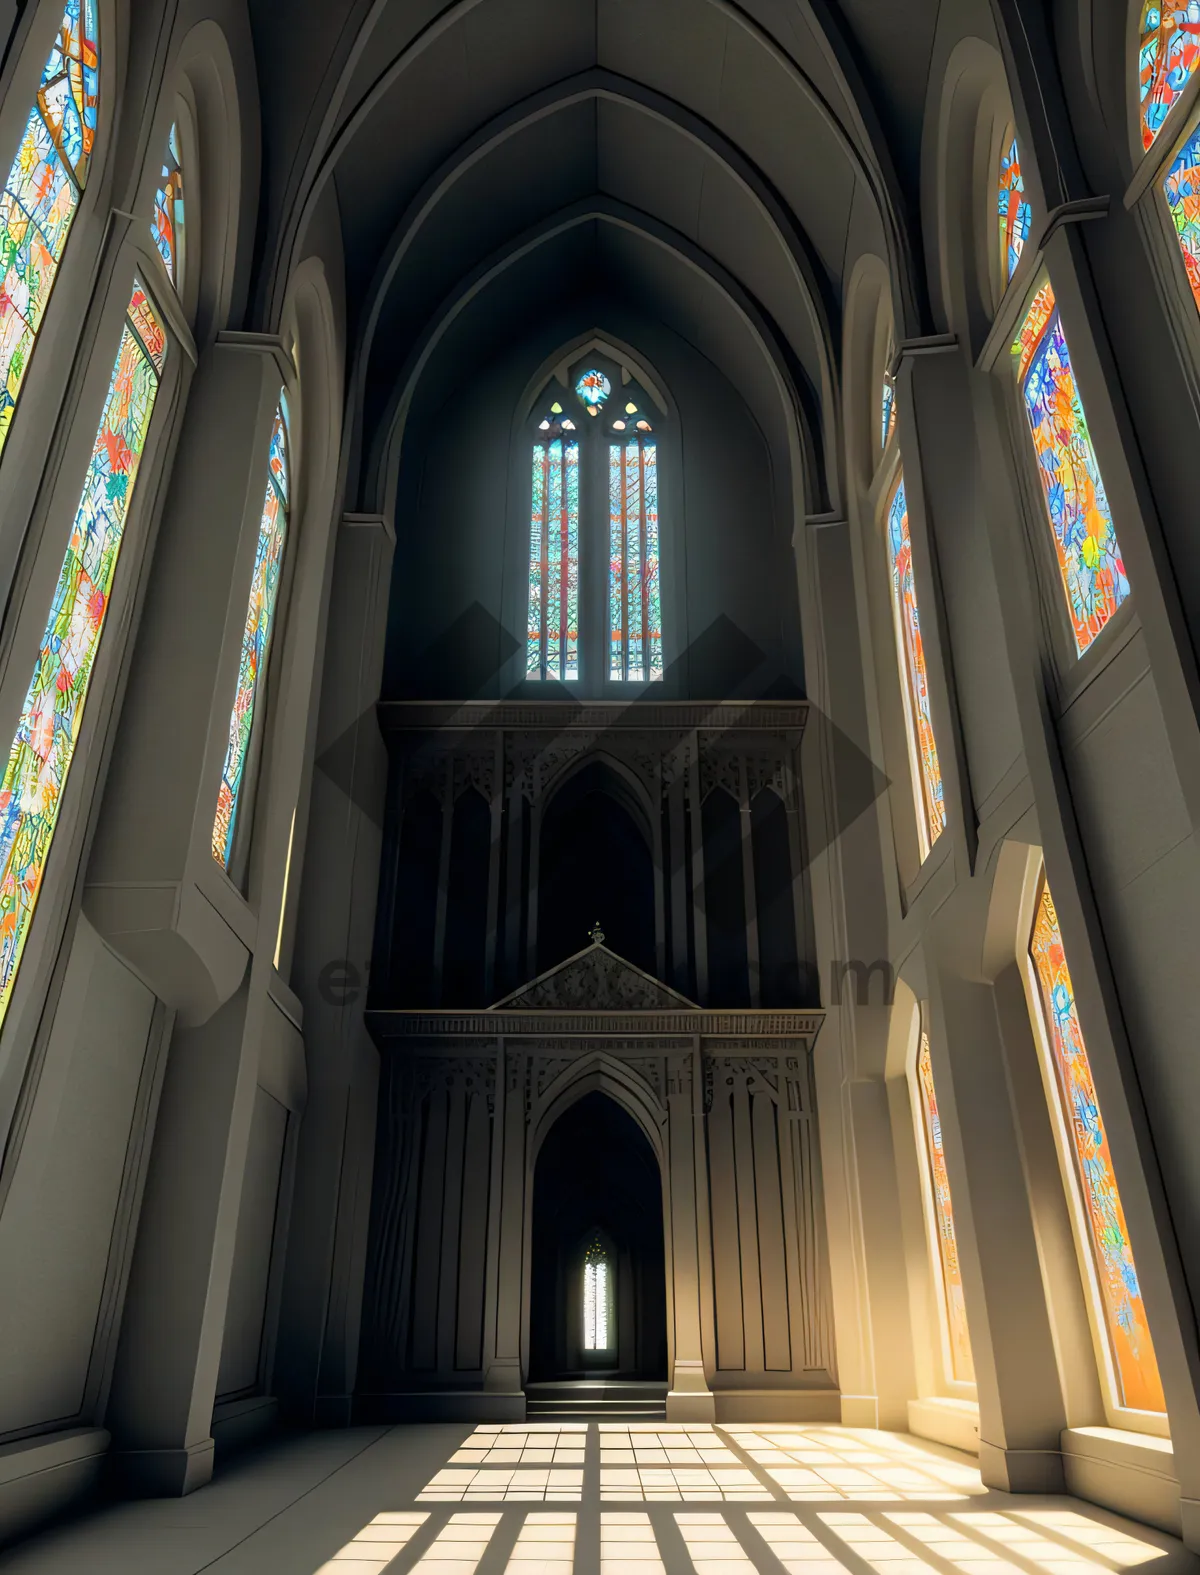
{"type": "Point", "coordinates": [611, 992]}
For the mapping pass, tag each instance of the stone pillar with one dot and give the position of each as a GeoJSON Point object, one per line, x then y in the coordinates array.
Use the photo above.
{"type": "Point", "coordinates": [316, 1361]}
{"type": "Point", "coordinates": [1021, 1410]}
{"type": "Point", "coordinates": [506, 1225]}
{"type": "Point", "coordinates": [689, 1398]}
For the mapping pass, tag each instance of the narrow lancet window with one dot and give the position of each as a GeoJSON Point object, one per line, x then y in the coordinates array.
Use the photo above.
{"type": "Point", "coordinates": [167, 228]}
{"type": "Point", "coordinates": [634, 589]}
{"type": "Point", "coordinates": [887, 404]}
{"type": "Point", "coordinates": [1168, 54]}
{"type": "Point", "coordinates": [42, 192]}
{"type": "Point", "coordinates": [1016, 215]}
{"type": "Point", "coordinates": [256, 635]}
{"type": "Point", "coordinates": [1090, 565]}
{"type": "Point", "coordinates": [954, 1307]}
{"type": "Point", "coordinates": [1135, 1368]}
{"type": "Point", "coordinates": [927, 771]}
{"type": "Point", "coordinates": [48, 730]}
{"type": "Point", "coordinates": [597, 1300]}
{"type": "Point", "coordinates": [552, 646]}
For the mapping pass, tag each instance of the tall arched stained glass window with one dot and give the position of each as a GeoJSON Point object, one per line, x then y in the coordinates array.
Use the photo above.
{"type": "Point", "coordinates": [256, 635]}
{"type": "Point", "coordinates": [1168, 54]}
{"type": "Point", "coordinates": [1090, 565]}
{"type": "Point", "coordinates": [167, 227]}
{"type": "Point", "coordinates": [635, 643]}
{"type": "Point", "coordinates": [40, 758]}
{"type": "Point", "coordinates": [954, 1307]}
{"type": "Point", "coordinates": [1081, 1130]}
{"type": "Point", "coordinates": [927, 771]}
{"type": "Point", "coordinates": [552, 643]}
{"type": "Point", "coordinates": [887, 404]}
{"type": "Point", "coordinates": [42, 192]}
{"type": "Point", "coordinates": [1015, 212]}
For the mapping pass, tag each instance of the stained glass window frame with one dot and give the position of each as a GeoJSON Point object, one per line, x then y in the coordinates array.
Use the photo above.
{"type": "Point", "coordinates": [175, 161]}
{"type": "Point", "coordinates": [144, 329]}
{"type": "Point", "coordinates": [553, 463]}
{"type": "Point", "coordinates": [926, 802]}
{"type": "Point", "coordinates": [633, 617]}
{"type": "Point", "coordinates": [1119, 1411]}
{"type": "Point", "coordinates": [281, 487]}
{"type": "Point", "coordinates": [1151, 122]}
{"type": "Point", "coordinates": [928, 1142]}
{"type": "Point", "coordinates": [1004, 267]}
{"type": "Point", "coordinates": [1041, 301]}
{"type": "Point", "coordinates": [83, 74]}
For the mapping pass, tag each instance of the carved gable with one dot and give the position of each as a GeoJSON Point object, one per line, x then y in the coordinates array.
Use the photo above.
{"type": "Point", "coordinates": [596, 980]}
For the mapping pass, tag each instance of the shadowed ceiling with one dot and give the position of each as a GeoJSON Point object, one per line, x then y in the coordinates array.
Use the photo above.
{"type": "Point", "coordinates": [708, 164]}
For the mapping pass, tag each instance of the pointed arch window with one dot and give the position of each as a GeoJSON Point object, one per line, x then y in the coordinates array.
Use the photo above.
{"type": "Point", "coordinates": [42, 192]}
{"type": "Point", "coordinates": [887, 403]}
{"type": "Point", "coordinates": [167, 227]}
{"type": "Point", "coordinates": [1090, 566]}
{"type": "Point", "coordinates": [1089, 1163]}
{"type": "Point", "coordinates": [941, 1214]}
{"type": "Point", "coordinates": [594, 498]}
{"type": "Point", "coordinates": [634, 590]}
{"type": "Point", "coordinates": [927, 771]}
{"type": "Point", "coordinates": [256, 636]}
{"type": "Point", "coordinates": [40, 758]}
{"type": "Point", "coordinates": [598, 1300]}
{"type": "Point", "coordinates": [1016, 216]}
{"type": "Point", "coordinates": [1168, 54]}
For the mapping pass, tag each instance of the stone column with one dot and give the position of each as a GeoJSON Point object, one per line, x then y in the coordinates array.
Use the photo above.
{"type": "Point", "coordinates": [318, 1339]}
{"type": "Point", "coordinates": [689, 1398]}
{"type": "Point", "coordinates": [506, 1222]}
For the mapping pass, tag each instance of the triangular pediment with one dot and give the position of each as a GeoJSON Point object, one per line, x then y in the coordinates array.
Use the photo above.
{"type": "Point", "coordinates": [596, 980]}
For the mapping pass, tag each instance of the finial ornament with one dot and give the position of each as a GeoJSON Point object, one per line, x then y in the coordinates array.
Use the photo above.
{"type": "Point", "coordinates": [596, 934]}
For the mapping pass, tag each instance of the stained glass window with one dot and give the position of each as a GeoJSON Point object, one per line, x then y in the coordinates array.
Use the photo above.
{"type": "Point", "coordinates": [42, 193]}
{"type": "Point", "coordinates": [1015, 212]}
{"type": "Point", "coordinates": [48, 730]}
{"type": "Point", "coordinates": [167, 228]}
{"type": "Point", "coordinates": [912, 662]}
{"type": "Point", "coordinates": [1136, 1369]}
{"type": "Point", "coordinates": [1168, 54]}
{"type": "Point", "coordinates": [1181, 187]}
{"type": "Point", "coordinates": [634, 589]}
{"type": "Point", "coordinates": [887, 406]}
{"type": "Point", "coordinates": [593, 388]}
{"type": "Point", "coordinates": [256, 636]}
{"type": "Point", "coordinates": [962, 1367]}
{"type": "Point", "coordinates": [552, 644]}
{"type": "Point", "coordinates": [597, 1300]}
{"type": "Point", "coordinates": [1089, 556]}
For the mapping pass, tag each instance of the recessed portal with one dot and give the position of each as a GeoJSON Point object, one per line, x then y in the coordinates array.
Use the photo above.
{"type": "Point", "coordinates": [598, 1287]}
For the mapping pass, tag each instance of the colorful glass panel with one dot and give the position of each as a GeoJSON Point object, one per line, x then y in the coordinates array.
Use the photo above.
{"type": "Point", "coordinates": [1089, 556]}
{"type": "Point", "coordinates": [167, 228]}
{"type": "Point", "coordinates": [1136, 1368]}
{"type": "Point", "coordinates": [552, 644]}
{"type": "Point", "coordinates": [256, 635]}
{"type": "Point", "coordinates": [634, 589]}
{"type": "Point", "coordinates": [962, 1366]}
{"type": "Point", "coordinates": [912, 649]}
{"type": "Point", "coordinates": [1181, 187]}
{"type": "Point", "coordinates": [887, 408]}
{"type": "Point", "coordinates": [42, 193]}
{"type": "Point", "coordinates": [48, 730]}
{"type": "Point", "coordinates": [1016, 215]}
{"type": "Point", "coordinates": [1168, 54]}
{"type": "Point", "coordinates": [593, 388]}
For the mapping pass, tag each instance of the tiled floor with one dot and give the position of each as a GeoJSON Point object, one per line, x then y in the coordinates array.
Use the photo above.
{"type": "Point", "coordinates": [607, 1499]}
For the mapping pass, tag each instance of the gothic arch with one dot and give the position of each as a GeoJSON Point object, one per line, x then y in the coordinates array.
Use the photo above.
{"type": "Point", "coordinates": [635, 801]}
{"type": "Point", "coordinates": [604, 1074]}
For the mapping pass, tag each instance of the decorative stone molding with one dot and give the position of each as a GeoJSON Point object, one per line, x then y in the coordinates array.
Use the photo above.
{"type": "Point", "coordinates": [596, 979]}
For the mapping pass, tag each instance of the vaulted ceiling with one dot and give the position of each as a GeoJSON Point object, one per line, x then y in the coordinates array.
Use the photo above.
{"type": "Point", "coordinates": [712, 164]}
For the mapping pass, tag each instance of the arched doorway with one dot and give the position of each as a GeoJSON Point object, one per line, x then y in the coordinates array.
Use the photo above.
{"type": "Point", "coordinates": [598, 1274]}
{"type": "Point", "coordinates": [595, 864]}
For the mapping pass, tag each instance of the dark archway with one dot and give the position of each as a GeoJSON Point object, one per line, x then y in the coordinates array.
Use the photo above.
{"type": "Point", "coordinates": [597, 1178]}
{"type": "Point", "coordinates": [595, 864]}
